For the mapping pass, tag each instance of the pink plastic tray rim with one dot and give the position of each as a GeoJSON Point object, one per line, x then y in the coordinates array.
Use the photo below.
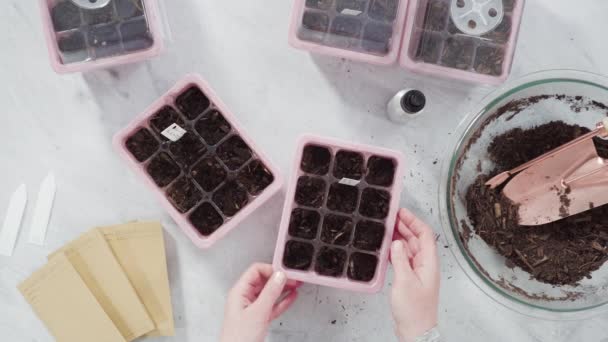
{"type": "Point", "coordinates": [390, 58]}
{"type": "Point", "coordinates": [309, 276]}
{"type": "Point", "coordinates": [181, 219]}
{"type": "Point", "coordinates": [152, 12]}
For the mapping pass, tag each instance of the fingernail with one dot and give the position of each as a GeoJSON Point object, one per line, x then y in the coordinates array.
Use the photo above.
{"type": "Point", "coordinates": [279, 277]}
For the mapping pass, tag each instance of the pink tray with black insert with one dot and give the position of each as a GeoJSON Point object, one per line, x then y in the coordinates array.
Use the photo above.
{"type": "Point", "coordinates": [81, 39]}
{"type": "Point", "coordinates": [365, 30]}
{"type": "Point", "coordinates": [199, 161]}
{"type": "Point", "coordinates": [340, 214]}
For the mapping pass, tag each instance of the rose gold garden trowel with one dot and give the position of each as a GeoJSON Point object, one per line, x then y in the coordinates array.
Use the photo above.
{"type": "Point", "coordinates": [566, 181]}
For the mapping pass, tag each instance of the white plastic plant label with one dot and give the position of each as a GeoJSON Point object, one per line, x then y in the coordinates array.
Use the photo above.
{"type": "Point", "coordinates": [42, 211]}
{"type": "Point", "coordinates": [174, 132]}
{"type": "Point", "coordinates": [12, 221]}
{"type": "Point", "coordinates": [350, 182]}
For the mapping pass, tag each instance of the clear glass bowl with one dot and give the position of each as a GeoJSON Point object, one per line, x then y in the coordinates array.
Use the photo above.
{"type": "Point", "coordinates": [514, 288]}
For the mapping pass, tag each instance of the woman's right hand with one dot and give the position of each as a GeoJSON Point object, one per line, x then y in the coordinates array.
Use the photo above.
{"type": "Point", "coordinates": [415, 291]}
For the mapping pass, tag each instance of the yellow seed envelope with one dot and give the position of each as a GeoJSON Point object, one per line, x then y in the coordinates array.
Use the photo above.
{"type": "Point", "coordinates": [94, 261]}
{"type": "Point", "coordinates": [66, 306]}
{"type": "Point", "coordinates": [140, 250]}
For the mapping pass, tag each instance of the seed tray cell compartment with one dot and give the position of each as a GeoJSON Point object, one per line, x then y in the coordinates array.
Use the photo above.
{"type": "Point", "coordinates": [332, 232]}
{"type": "Point", "coordinates": [81, 39]}
{"type": "Point", "coordinates": [208, 189]}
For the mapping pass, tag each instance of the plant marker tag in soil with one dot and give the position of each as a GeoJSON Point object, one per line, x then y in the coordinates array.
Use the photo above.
{"type": "Point", "coordinates": [42, 212]}
{"type": "Point", "coordinates": [174, 132]}
{"type": "Point", "coordinates": [349, 182]}
{"type": "Point", "coordinates": [569, 182]}
{"type": "Point", "coordinates": [12, 221]}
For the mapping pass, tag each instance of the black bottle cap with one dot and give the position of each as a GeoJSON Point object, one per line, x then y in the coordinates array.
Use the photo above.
{"type": "Point", "coordinates": [413, 101]}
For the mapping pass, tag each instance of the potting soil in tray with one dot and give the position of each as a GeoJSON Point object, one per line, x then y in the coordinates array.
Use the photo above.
{"type": "Point", "coordinates": [359, 25]}
{"type": "Point", "coordinates": [337, 225]}
{"type": "Point", "coordinates": [440, 42]}
{"type": "Point", "coordinates": [119, 28]}
{"type": "Point", "coordinates": [204, 167]}
{"type": "Point", "coordinates": [559, 253]}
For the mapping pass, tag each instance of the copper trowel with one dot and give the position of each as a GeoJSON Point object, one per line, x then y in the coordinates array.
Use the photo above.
{"type": "Point", "coordinates": [567, 181]}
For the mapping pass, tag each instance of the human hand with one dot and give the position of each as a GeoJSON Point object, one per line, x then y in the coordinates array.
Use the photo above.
{"type": "Point", "coordinates": [415, 292]}
{"type": "Point", "coordinates": [259, 297]}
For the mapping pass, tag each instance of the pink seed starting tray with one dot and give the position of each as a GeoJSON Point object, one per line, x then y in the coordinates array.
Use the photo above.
{"type": "Point", "coordinates": [190, 149]}
{"type": "Point", "coordinates": [340, 214]}
{"type": "Point", "coordinates": [365, 30]}
{"type": "Point", "coordinates": [81, 39]}
{"type": "Point", "coordinates": [420, 34]}
{"type": "Point", "coordinates": [433, 44]}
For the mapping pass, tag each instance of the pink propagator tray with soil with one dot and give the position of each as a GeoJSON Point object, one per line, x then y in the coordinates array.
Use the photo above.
{"type": "Point", "coordinates": [198, 160]}
{"type": "Point", "coordinates": [434, 45]}
{"type": "Point", "coordinates": [420, 34]}
{"type": "Point", "coordinates": [80, 39]}
{"type": "Point", "coordinates": [364, 30]}
{"type": "Point", "coordinates": [339, 214]}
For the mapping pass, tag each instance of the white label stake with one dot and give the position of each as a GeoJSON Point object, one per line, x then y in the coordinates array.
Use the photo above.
{"type": "Point", "coordinates": [42, 213]}
{"type": "Point", "coordinates": [174, 132]}
{"type": "Point", "coordinates": [348, 181]}
{"type": "Point", "coordinates": [12, 221]}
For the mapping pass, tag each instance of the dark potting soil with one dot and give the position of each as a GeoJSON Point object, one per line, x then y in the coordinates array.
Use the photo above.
{"type": "Point", "coordinates": [502, 32]}
{"type": "Point", "coordinates": [136, 34]}
{"type": "Point", "coordinates": [184, 194]}
{"type": "Point", "coordinates": [310, 192]}
{"type": "Point", "coordinates": [330, 262]}
{"type": "Point", "coordinates": [315, 21]}
{"type": "Point", "coordinates": [66, 16]}
{"type": "Point", "coordinates": [304, 223]}
{"type": "Point", "coordinates": [342, 198]}
{"type": "Point", "coordinates": [209, 173]}
{"type": "Point", "coordinates": [315, 160]}
{"type": "Point", "coordinates": [206, 219]}
{"type": "Point", "coordinates": [192, 102]}
{"type": "Point", "coordinates": [105, 40]}
{"type": "Point", "coordinates": [458, 53]}
{"type": "Point", "coordinates": [188, 149]}
{"type": "Point", "coordinates": [375, 203]}
{"type": "Point", "coordinates": [298, 255]}
{"type": "Point", "coordinates": [601, 147]}
{"type": "Point", "coordinates": [346, 26]}
{"type": "Point", "coordinates": [362, 267]}
{"type": "Point", "coordinates": [164, 118]}
{"type": "Point", "coordinates": [377, 37]}
{"type": "Point", "coordinates": [380, 171]}
{"type": "Point", "coordinates": [429, 49]}
{"type": "Point", "coordinates": [234, 152]}
{"type": "Point", "coordinates": [559, 253]}
{"type": "Point", "coordinates": [489, 60]}
{"type": "Point", "coordinates": [383, 10]}
{"type": "Point", "coordinates": [104, 15]}
{"type": "Point", "coordinates": [369, 236]}
{"type": "Point", "coordinates": [213, 127]}
{"type": "Point", "coordinates": [337, 230]}
{"type": "Point", "coordinates": [72, 42]}
{"type": "Point", "coordinates": [142, 145]}
{"type": "Point", "coordinates": [437, 13]}
{"type": "Point", "coordinates": [349, 165]}
{"type": "Point", "coordinates": [127, 9]}
{"type": "Point", "coordinates": [231, 198]}
{"type": "Point", "coordinates": [255, 177]}
{"type": "Point", "coordinates": [163, 169]}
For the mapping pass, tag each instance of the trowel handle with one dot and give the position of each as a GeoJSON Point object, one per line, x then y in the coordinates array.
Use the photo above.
{"type": "Point", "coordinates": [603, 126]}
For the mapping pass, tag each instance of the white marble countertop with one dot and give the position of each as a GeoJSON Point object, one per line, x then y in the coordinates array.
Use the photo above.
{"type": "Point", "coordinates": [65, 123]}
